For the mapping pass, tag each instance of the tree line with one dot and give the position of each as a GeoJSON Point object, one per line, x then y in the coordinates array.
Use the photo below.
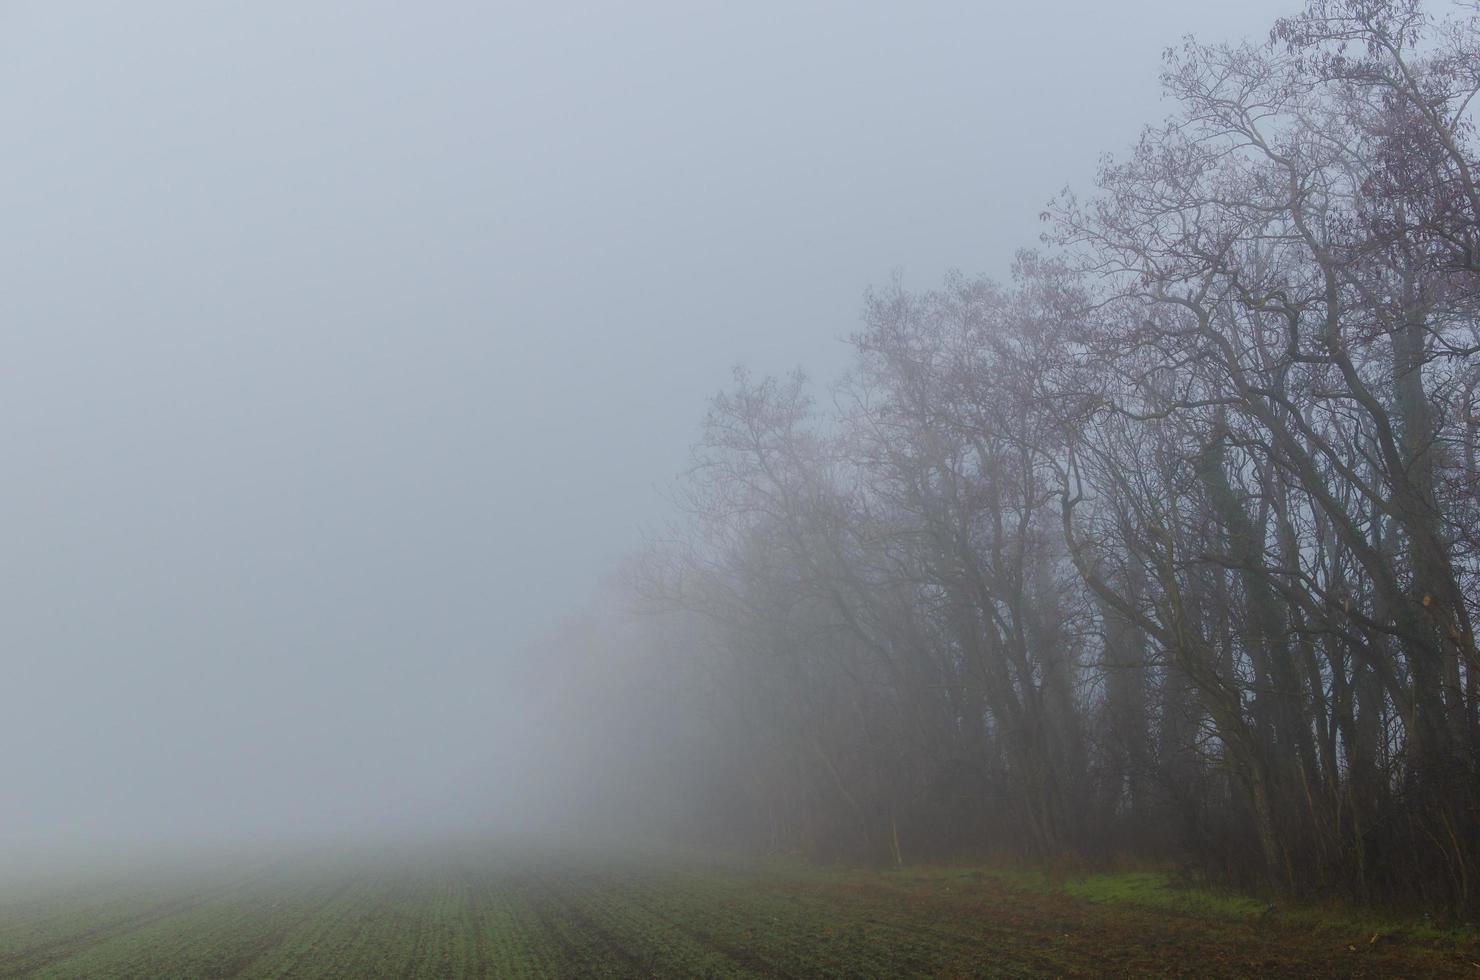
{"type": "Point", "coordinates": [1168, 545]}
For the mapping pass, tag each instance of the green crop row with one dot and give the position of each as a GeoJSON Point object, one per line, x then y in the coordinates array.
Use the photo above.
{"type": "Point", "coordinates": [489, 916]}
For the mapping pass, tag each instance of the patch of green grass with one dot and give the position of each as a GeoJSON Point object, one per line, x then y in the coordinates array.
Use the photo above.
{"type": "Point", "coordinates": [1378, 927]}
{"type": "Point", "coordinates": [1161, 891]}
{"type": "Point", "coordinates": [1151, 889]}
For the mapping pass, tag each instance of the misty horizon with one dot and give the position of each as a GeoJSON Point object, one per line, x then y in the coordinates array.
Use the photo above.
{"type": "Point", "coordinates": [352, 348]}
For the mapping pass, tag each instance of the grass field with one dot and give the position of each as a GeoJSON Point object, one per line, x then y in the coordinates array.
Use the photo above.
{"type": "Point", "coordinates": [490, 914]}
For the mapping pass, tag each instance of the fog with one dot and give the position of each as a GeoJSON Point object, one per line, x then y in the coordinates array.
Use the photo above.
{"type": "Point", "coordinates": [349, 348]}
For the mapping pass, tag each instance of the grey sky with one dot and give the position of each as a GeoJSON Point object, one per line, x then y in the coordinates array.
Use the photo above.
{"type": "Point", "coordinates": [345, 343]}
